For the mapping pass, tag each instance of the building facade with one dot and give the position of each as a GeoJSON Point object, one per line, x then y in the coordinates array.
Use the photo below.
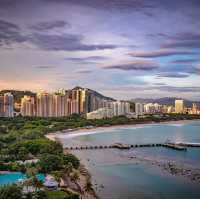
{"type": "Point", "coordinates": [7, 105]}
{"type": "Point", "coordinates": [28, 106]}
{"type": "Point", "coordinates": [179, 106]}
{"type": "Point", "coordinates": [139, 109]}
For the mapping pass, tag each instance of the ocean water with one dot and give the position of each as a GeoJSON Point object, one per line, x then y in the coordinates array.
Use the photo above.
{"type": "Point", "coordinates": [16, 177]}
{"type": "Point", "coordinates": [115, 176]}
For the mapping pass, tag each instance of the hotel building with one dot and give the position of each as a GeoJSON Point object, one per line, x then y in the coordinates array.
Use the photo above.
{"type": "Point", "coordinates": [111, 109]}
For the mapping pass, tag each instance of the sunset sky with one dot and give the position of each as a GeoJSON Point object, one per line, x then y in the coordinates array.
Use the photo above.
{"type": "Point", "coordinates": [121, 48]}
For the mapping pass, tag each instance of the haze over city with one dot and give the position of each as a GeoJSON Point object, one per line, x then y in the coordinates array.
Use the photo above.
{"type": "Point", "coordinates": [123, 49]}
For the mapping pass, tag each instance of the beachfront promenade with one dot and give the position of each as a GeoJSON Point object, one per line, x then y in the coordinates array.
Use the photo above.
{"type": "Point", "coordinates": [174, 146]}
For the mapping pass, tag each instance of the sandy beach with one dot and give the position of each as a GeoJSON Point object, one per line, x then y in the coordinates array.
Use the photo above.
{"type": "Point", "coordinates": [86, 131]}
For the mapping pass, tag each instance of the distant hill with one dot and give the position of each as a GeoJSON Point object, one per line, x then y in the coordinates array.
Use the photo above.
{"type": "Point", "coordinates": [17, 94]}
{"type": "Point", "coordinates": [164, 101]}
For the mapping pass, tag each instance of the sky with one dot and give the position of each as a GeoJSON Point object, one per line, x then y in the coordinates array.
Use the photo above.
{"type": "Point", "coordinates": [122, 48]}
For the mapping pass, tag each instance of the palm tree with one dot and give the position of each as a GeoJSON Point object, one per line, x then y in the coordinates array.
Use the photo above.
{"type": "Point", "coordinates": [88, 186]}
{"type": "Point", "coordinates": [66, 172]}
{"type": "Point", "coordinates": [75, 176]}
{"type": "Point", "coordinates": [31, 172]}
{"type": "Point", "coordinates": [68, 168]}
{"type": "Point", "coordinates": [32, 179]}
{"type": "Point", "coordinates": [37, 183]}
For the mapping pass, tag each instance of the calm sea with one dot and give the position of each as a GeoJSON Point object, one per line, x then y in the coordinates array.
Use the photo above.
{"type": "Point", "coordinates": [115, 176]}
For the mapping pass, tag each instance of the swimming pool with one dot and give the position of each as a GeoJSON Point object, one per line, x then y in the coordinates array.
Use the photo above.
{"type": "Point", "coordinates": [16, 177]}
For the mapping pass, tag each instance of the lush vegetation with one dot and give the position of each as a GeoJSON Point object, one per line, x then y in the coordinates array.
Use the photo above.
{"type": "Point", "coordinates": [15, 192]}
{"type": "Point", "coordinates": [24, 139]}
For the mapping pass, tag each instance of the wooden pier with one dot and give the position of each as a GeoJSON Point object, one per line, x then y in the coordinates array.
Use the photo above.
{"type": "Point", "coordinates": [122, 146]}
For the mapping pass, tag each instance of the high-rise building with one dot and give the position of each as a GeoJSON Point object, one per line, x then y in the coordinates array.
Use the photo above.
{"type": "Point", "coordinates": [45, 105]}
{"type": "Point", "coordinates": [83, 105]}
{"type": "Point", "coordinates": [74, 107]}
{"type": "Point", "coordinates": [120, 108]}
{"type": "Point", "coordinates": [179, 106]}
{"type": "Point", "coordinates": [68, 106]}
{"type": "Point", "coordinates": [170, 109]}
{"type": "Point", "coordinates": [61, 107]}
{"type": "Point", "coordinates": [28, 106]}
{"type": "Point", "coordinates": [195, 108]}
{"type": "Point", "coordinates": [81, 96]}
{"type": "Point", "coordinates": [8, 105]}
{"type": "Point", "coordinates": [139, 109]}
{"type": "Point", "coordinates": [58, 105]}
{"type": "Point", "coordinates": [66, 102]}
{"type": "Point", "coordinates": [152, 108]}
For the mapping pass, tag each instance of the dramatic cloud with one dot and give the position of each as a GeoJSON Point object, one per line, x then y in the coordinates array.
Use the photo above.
{"type": "Point", "coordinates": [84, 71]}
{"type": "Point", "coordinates": [183, 40]}
{"type": "Point", "coordinates": [159, 53]}
{"type": "Point", "coordinates": [87, 42]}
{"type": "Point", "coordinates": [179, 89]}
{"type": "Point", "coordinates": [45, 67]}
{"type": "Point", "coordinates": [66, 42]}
{"type": "Point", "coordinates": [173, 75]}
{"type": "Point", "coordinates": [197, 69]}
{"type": "Point", "coordinates": [124, 5]}
{"type": "Point", "coordinates": [159, 84]}
{"type": "Point", "coordinates": [45, 26]}
{"type": "Point", "coordinates": [189, 89]}
{"type": "Point", "coordinates": [86, 59]}
{"type": "Point", "coordinates": [185, 61]}
{"type": "Point", "coordinates": [136, 65]}
{"type": "Point", "coordinates": [10, 33]}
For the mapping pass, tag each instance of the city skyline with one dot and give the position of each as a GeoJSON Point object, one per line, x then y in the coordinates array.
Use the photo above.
{"type": "Point", "coordinates": [124, 49]}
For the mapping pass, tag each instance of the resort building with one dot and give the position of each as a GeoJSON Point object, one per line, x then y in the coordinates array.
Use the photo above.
{"type": "Point", "coordinates": [101, 113]}
{"type": "Point", "coordinates": [118, 108]}
{"type": "Point", "coordinates": [50, 183]}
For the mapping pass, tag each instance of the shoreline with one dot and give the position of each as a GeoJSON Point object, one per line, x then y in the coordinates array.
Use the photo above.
{"type": "Point", "coordinates": [56, 136]}
{"type": "Point", "coordinates": [169, 168]}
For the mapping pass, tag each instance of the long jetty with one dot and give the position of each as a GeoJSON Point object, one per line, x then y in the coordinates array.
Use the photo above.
{"type": "Point", "coordinates": [175, 146]}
